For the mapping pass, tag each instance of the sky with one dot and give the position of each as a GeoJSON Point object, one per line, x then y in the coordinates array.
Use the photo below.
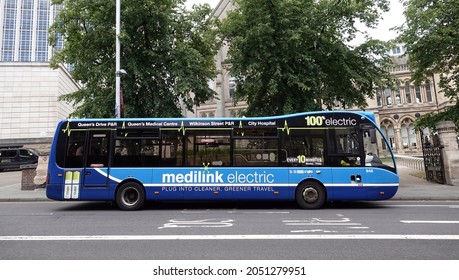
{"type": "Point", "coordinates": [390, 19]}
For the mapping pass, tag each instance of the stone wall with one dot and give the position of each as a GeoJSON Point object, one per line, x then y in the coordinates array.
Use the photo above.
{"type": "Point", "coordinates": [450, 152]}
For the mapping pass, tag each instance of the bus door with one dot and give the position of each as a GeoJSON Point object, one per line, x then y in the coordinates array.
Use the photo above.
{"type": "Point", "coordinates": [96, 171]}
{"type": "Point", "coordinates": [345, 154]}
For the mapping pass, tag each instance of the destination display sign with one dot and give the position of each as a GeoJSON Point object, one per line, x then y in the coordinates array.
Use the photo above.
{"type": "Point", "coordinates": [126, 124]}
{"type": "Point", "coordinates": [318, 120]}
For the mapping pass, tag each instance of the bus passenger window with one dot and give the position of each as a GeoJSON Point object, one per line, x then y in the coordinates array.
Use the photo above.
{"type": "Point", "coordinates": [208, 148]}
{"type": "Point", "coordinates": [171, 149]}
{"type": "Point", "coordinates": [255, 152]}
{"type": "Point", "coordinates": [136, 153]}
{"type": "Point", "coordinates": [303, 148]}
{"type": "Point", "coordinates": [74, 150]}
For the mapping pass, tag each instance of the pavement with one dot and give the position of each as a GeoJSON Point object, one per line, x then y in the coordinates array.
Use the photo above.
{"type": "Point", "coordinates": [412, 187]}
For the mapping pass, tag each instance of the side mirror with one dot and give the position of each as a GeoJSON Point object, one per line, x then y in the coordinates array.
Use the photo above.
{"type": "Point", "coordinates": [372, 132]}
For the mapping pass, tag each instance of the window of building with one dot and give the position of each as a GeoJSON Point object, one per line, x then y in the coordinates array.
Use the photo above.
{"type": "Point", "coordinates": [418, 94]}
{"type": "Point", "coordinates": [26, 28]}
{"type": "Point", "coordinates": [428, 91]}
{"type": "Point", "coordinates": [398, 92]}
{"type": "Point", "coordinates": [409, 139]}
{"type": "Point", "coordinates": [388, 131]}
{"type": "Point", "coordinates": [9, 30]}
{"type": "Point", "coordinates": [60, 40]}
{"type": "Point", "coordinates": [407, 92]}
{"type": "Point", "coordinates": [388, 96]}
{"type": "Point", "coordinates": [207, 114]}
{"type": "Point", "coordinates": [41, 48]}
{"type": "Point", "coordinates": [412, 134]}
{"type": "Point", "coordinates": [378, 97]}
{"type": "Point", "coordinates": [231, 86]}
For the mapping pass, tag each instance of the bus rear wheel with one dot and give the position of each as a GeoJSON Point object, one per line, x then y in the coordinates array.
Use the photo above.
{"type": "Point", "coordinates": [310, 195]}
{"type": "Point", "coordinates": [130, 196]}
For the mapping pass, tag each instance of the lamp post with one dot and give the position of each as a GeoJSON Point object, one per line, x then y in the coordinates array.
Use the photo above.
{"type": "Point", "coordinates": [118, 61]}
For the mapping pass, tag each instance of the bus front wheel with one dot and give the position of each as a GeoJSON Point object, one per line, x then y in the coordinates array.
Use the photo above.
{"type": "Point", "coordinates": [130, 196]}
{"type": "Point", "coordinates": [310, 195]}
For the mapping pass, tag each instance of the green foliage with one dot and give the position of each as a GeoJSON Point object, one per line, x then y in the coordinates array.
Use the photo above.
{"type": "Point", "coordinates": [431, 33]}
{"type": "Point", "coordinates": [294, 55]}
{"type": "Point", "coordinates": [167, 52]}
{"type": "Point", "coordinates": [431, 120]}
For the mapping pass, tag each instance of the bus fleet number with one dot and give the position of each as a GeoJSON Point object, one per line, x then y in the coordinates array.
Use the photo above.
{"type": "Point", "coordinates": [314, 120]}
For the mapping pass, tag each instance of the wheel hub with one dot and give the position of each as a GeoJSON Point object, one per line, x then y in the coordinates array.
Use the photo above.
{"type": "Point", "coordinates": [130, 196]}
{"type": "Point", "coordinates": [310, 195]}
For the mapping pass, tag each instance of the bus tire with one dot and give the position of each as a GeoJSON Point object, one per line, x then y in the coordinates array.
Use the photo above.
{"type": "Point", "coordinates": [130, 196]}
{"type": "Point", "coordinates": [310, 195]}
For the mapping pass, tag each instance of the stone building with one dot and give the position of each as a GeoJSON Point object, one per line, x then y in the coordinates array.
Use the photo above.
{"type": "Point", "coordinates": [29, 88]}
{"type": "Point", "coordinates": [397, 109]}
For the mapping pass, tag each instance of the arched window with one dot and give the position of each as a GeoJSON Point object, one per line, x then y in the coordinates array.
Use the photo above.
{"type": "Point", "coordinates": [388, 130]}
{"type": "Point", "coordinates": [409, 139]}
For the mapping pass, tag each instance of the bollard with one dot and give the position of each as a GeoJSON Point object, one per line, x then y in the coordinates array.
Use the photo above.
{"type": "Point", "coordinates": [41, 172]}
{"type": "Point", "coordinates": [28, 173]}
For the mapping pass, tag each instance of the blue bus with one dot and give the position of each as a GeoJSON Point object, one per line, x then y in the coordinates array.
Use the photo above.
{"type": "Point", "coordinates": [310, 158]}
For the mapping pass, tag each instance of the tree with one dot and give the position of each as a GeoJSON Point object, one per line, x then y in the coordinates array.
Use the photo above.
{"type": "Point", "coordinates": [431, 34]}
{"type": "Point", "coordinates": [295, 55]}
{"type": "Point", "coordinates": [166, 50]}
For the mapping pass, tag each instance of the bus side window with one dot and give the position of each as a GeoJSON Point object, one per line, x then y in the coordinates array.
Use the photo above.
{"type": "Point", "coordinates": [75, 145]}
{"type": "Point", "coordinates": [171, 149]}
{"type": "Point", "coordinates": [208, 148]}
{"type": "Point", "coordinates": [303, 148]}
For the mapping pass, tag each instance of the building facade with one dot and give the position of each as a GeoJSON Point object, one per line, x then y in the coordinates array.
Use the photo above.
{"type": "Point", "coordinates": [396, 109]}
{"type": "Point", "coordinates": [29, 88]}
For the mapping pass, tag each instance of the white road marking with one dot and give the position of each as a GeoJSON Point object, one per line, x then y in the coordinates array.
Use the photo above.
{"type": "Point", "coordinates": [312, 230]}
{"type": "Point", "coordinates": [257, 212]}
{"type": "Point", "coordinates": [358, 227]}
{"type": "Point", "coordinates": [323, 224]}
{"type": "Point", "coordinates": [229, 237]}
{"type": "Point", "coordinates": [430, 222]}
{"type": "Point", "coordinates": [343, 220]}
{"type": "Point", "coordinates": [426, 206]}
{"type": "Point", "coordinates": [206, 223]}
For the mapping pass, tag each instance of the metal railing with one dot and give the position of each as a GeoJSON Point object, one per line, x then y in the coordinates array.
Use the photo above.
{"type": "Point", "coordinates": [410, 162]}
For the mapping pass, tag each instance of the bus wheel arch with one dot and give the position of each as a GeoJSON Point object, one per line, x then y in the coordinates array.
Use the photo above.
{"type": "Point", "coordinates": [310, 194]}
{"type": "Point", "coordinates": [130, 195]}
